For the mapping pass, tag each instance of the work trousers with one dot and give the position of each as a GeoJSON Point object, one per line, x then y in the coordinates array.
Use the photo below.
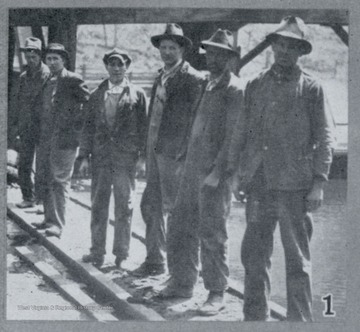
{"type": "Point", "coordinates": [25, 167]}
{"type": "Point", "coordinates": [263, 210]}
{"type": "Point", "coordinates": [122, 179]}
{"type": "Point", "coordinates": [55, 171]}
{"type": "Point", "coordinates": [199, 223]}
{"type": "Point", "coordinates": [157, 203]}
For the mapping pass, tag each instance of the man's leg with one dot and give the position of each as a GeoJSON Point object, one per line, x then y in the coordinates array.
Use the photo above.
{"type": "Point", "coordinates": [151, 210]}
{"type": "Point", "coordinates": [296, 230]}
{"type": "Point", "coordinates": [26, 159]}
{"type": "Point", "coordinates": [61, 167]}
{"type": "Point", "coordinates": [256, 251]}
{"type": "Point", "coordinates": [100, 198]}
{"type": "Point", "coordinates": [124, 189]}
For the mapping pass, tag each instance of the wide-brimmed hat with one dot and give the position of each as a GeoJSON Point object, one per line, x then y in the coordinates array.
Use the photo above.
{"type": "Point", "coordinates": [173, 32]}
{"type": "Point", "coordinates": [295, 28]}
{"type": "Point", "coordinates": [57, 49]}
{"type": "Point", "coordinates": [221, 39]}
{"type": "Point", "coordinates": [123, 56]}
{"type": "Point", "coordinates": [32, 44]}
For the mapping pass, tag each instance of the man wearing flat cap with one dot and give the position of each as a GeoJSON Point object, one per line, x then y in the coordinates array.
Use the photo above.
{"type": "Point", "coordinates": [173, 101]}
{"type": "Point", "coordinates": [60, 121]}
{"type": "Point", "coordinates": [31, 81]}
{"type": "Point", "coordinates": [284, 152]}
{"type": "Point", "coordinates": [114, 137]}
{"type": "Point", "coordinates": [202, 207]}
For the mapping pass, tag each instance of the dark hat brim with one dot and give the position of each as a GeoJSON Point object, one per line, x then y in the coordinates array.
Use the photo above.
{"type": "Point", "coordinates": [305, 45]}
{"type": "Point", "coordinates": [26, 49]}
{"type": "Point", "coordinates": [181, 40]}
{"type": "Point", "coordinates": [224, 47]}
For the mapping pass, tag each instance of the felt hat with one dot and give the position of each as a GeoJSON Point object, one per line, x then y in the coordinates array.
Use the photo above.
{"type": "Point", "coordinates": [173, 32]}
{"type": "Point", "coordinates": [32, 44]}
{"type": "Point", "coordinates": [57, 49]}
{"type": "Point", "coordinates": [294, 28]}
{"type": "Point", "coordinates": [221, 39]}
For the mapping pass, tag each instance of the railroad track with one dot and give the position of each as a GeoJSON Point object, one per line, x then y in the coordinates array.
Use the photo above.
{"type": "Point", "coordinates": [130, 298]}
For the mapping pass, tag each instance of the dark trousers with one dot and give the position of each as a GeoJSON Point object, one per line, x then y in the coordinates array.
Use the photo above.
{"type": "Point", "coordinates": [263, 210]}
{"type": "Point", "coordinates": [25, 167]}
{"type": "Point", "coordinates": [122, 179]}
{"type": "Point", "coordinates": [199, 225]}
{"type": "Point", "coordinates": [157, 204]}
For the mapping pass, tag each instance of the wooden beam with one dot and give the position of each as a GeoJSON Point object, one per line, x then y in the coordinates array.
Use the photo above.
{"type": "Point", "coordinates": [45, 16]}
{"type": "Point", "coordinates": [342, 33]}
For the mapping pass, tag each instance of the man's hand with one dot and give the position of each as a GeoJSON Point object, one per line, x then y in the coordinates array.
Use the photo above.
{"type": "Point", "coordinates": [237, 191]}
{"type": "Point", "coordinates": [84, 167]}
{"type": "Point", "coordinates": [140, 168]}
{"type": "Point", "coordinates": [315, 198]}
{"type": "Point", "coordinates": [212, 180]}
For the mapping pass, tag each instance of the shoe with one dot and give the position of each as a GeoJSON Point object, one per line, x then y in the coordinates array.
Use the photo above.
{"type": "Point", "coordinates": [96, 260]}
{"type": "Point", "coordinates": [118, 261]}
{"type": "Point", "coordinates": [146, 270]}
{"type": "Point", "coordinates": [41, 224]}
{"type": "Point", "coordinates": [213, 305]}
{"type": "Point", "coordinates": [172, 291]}
{"type": "Point", "coordinates": [25, 204]}
{"type": "Point", "coordinates": [53, 230]}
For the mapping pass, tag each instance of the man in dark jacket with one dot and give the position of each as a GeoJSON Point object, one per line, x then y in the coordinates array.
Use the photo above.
{"type": "Point", "coordinates": [173, 101]}
{"type": "Point", "coordinates": [284, 146]}
{"type": "Point", "coordinates": [60, 122]}
{"type": "Point", "coordinates": [114, 136]}
{"type": "Point", "coordinates": [31, 81]}
{"type": "Point", "coordinates": [203, 202]}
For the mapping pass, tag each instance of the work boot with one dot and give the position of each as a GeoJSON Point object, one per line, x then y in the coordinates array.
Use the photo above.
{"type": "Point", "coordinates": [213, 305]}
{"type": "Point", "coordinates": [53, 230]}
{"type": "Point", "coordinates": [25, 204]}
{"type": "Point", "coordinates": [96, 260]}
{"type": "Point", "coordinates": [41, 224]}
{"type": "Point", "coordinates": [173, 290]}
{"type": "Point", "coordinates": [146, 270]}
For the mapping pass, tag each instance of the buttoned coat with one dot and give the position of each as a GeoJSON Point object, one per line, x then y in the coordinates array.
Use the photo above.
{"type": "Point", "coordinates": [293, 145]}
{"type": "Point", "coordinates": [127, 135]}
{"type": "Point", "coordinates": [67, 107]}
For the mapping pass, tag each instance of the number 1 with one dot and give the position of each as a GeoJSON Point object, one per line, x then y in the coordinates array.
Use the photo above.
{"type": "Point", "coordinates": [328, 306]}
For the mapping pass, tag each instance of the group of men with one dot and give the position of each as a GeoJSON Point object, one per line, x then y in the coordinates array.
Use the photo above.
{"type": "Point", "coordinates": [202, 138]}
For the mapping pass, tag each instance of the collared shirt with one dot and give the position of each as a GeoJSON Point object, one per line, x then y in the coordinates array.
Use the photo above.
{"type": "Point", "coordinates": [116, 88]}
{"type": "Point", "coordinates": [167, 73]}
{"type": "Point", "coordinates": [214, 82]}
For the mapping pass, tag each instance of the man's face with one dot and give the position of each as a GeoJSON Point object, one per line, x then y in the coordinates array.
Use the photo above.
{"type": "Point", "coordinates": [286, 51]}
{"type": "Point", "coordinates": [33, 59]}
{"type": "Point", "coordinates": [55, 62]}
{"type": "Point", "coordinates": [116, 69]}
{"type": "Point", "coordinates": [216, 60]}
{"type": "Point", "coordinates": [170, 52]}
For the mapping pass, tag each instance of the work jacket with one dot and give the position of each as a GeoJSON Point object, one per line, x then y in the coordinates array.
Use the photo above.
{"type": "Point", "coordinates": [287, 129]}
{"type": "Point", "coordinates": [106, 144]}
{"type": "Point", "coordinates": [182, 93]}
{"type": "Point", "coordinates": [29, 88]}
{"type": "Point", "coordinates": [67, 109]}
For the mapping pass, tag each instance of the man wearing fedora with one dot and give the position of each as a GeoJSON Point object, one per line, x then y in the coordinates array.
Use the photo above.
{"type": "Point", "coordinates": [285, 152]}
{"type": "Point", "coordinates": [203, 203]}
{"type": "Point", "coordinates": [31, 81]}
{"type": "Point", "coordinates": [60, 121]}
{"type": "Point", "coordinates": [171, 112]}
{"type": "Point", "coordinates": [114, 136]}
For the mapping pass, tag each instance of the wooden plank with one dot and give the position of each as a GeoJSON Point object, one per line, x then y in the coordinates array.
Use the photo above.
{"type": "Point", "coordinates": [68, 289]}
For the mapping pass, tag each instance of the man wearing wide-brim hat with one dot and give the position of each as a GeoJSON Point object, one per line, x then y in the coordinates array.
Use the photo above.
{"type": "Point", "coordinates": [285, 151]}
{"type": "Point", "coordinates": [60, 121]}
{"type": "Point", "coordinates": [114, 137]}
{"type": "Point", "coordinates": [199, 221]}
{"type": "Point", "coordinates": [172, 107]}
{"type": "Point", "coordinates": [30, 84]}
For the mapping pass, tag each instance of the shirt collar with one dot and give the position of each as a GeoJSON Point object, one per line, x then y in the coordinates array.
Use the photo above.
{"type": "Point", "coordinates": [284, 75]}
{"type": "Point", "coordinates": [214, 82]}
{"type": "Point", "coordinates": [121, 85]}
